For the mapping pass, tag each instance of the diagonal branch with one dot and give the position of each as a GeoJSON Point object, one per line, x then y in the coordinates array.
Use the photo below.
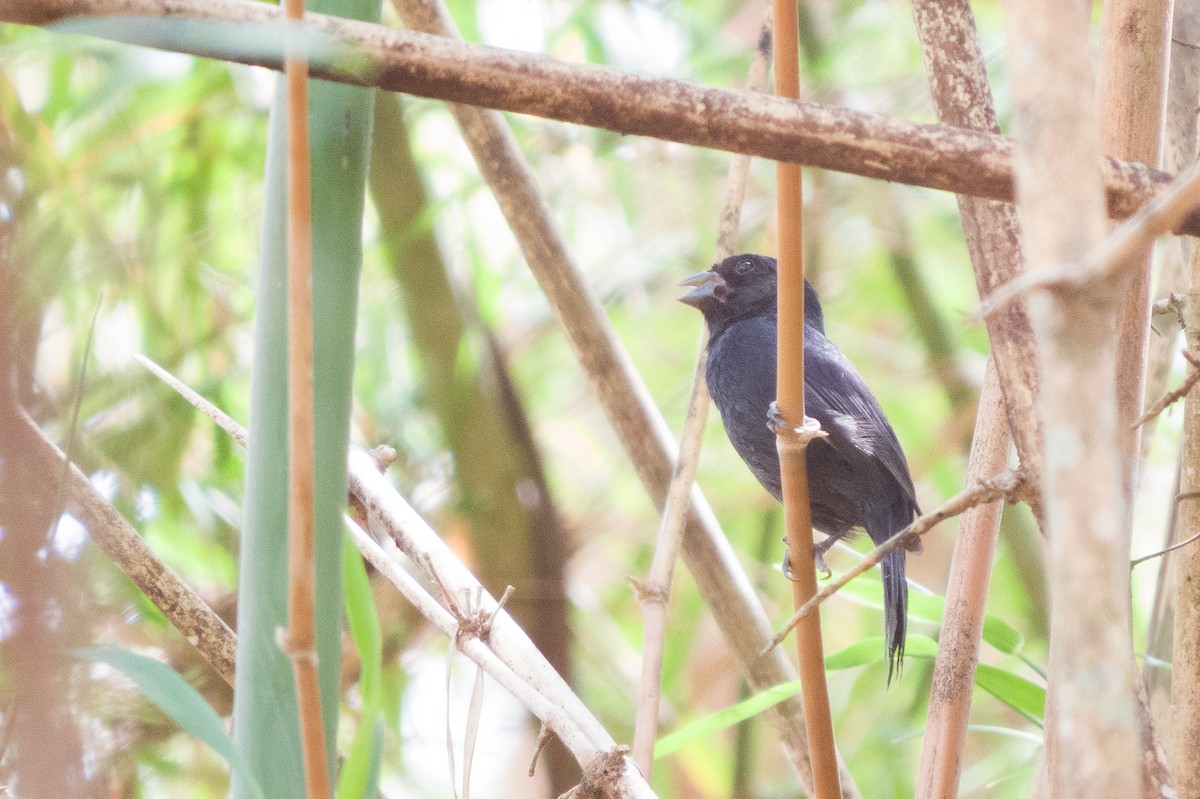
{"type": "Point", "coordinates": [1007, 485]}
{"type": "Point", "coordinates": [942, 157]}
{"type": "Point", "coordinates": [182, 606]}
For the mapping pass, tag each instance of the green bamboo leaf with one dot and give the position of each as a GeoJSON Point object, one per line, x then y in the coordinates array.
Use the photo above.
{"type": "Point", "coordinates": [1027, 698]}
{"type": "Point", "coordinates": [360, 772]}
{"type": "Point", "coordinates": [715, 722]}
{"type": "Point", "coordinates": [228, 41]}
{"type": "Point", "coordinates": [871, 650]}
{"type": "Point", "coordinates": [1022, 695]}
{"type": "Point", "coordinates": [175, 697]}
{"type": "Point", "coordinates": [1002, 636]}
{"type": "Point", "coordinates": [924, 606]}
{"type": "Point", "coordinates": [266, 723]}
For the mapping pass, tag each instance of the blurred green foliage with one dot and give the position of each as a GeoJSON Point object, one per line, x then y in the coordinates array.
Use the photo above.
{"type": "Point", "coordinates": [138, 183]}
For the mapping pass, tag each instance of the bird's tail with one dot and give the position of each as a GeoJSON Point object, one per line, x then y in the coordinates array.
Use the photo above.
{"type": "Point", "coordinates": [895, 609]}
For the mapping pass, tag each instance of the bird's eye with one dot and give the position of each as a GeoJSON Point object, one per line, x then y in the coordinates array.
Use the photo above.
{"type": "Point", "coordinates": [743, 267]}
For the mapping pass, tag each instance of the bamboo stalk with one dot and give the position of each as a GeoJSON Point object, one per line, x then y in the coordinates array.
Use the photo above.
{"type": "Point", "coordinates": [959, 85]}
{"type": "Point", "coordinates": [1134, 51]}
{"type": "Point", "coordinates": [1133, 98]}
{"type": "Point", "coordinates": [1092, 745]}
{"type": "Point", "coordinates": [791, 442]}
{"type": "Point", "coordinates": [966, 598]}
{"type": "Point", "coordinates": [1185, 676]}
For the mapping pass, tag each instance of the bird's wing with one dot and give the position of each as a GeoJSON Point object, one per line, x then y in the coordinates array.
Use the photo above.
{"type": "Point", "coordinates": [837, 396]}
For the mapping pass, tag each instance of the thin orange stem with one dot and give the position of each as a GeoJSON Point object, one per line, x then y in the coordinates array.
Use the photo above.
{"type": "Point", "coordinates": [301, 637]}
{"type": "Point", "coordinates": [790, 401]}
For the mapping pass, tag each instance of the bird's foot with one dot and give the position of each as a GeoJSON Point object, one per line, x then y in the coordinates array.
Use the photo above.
{"type": "Point", "coordinates": [808, 430]}
{"type": "Point", "coordinates": [819, 550]}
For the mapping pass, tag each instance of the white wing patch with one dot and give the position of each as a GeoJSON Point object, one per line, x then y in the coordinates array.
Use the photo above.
{"type": "Point", "coordinates": [851, 428]}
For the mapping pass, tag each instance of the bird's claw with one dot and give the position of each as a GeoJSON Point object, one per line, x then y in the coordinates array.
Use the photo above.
{"type": "Point", "coordinates": [808, 430]}
{"type": "Point", "coordinates": [819, 550]}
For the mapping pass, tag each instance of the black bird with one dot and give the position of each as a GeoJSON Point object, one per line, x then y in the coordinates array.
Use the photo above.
{"type": "Point", "coordinates": [857, 474]}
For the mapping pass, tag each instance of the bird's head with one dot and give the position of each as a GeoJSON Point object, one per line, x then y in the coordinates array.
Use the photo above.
{"type": "Point", "coordinates": [743, 285]}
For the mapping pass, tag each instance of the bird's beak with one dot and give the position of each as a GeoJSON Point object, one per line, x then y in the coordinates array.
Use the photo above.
{"type": "Point", "coordinates": [706, 285]}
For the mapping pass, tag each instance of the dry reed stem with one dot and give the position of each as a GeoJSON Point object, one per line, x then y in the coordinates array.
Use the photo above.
{"type": "Point", "coordinates": [299, 642]}
{"type": "Point", "coordinates": [1132, 81]}
{"type": "Point", "coordinates": [793, 464]}
{"type": "Point", "coordinates": [966, 599]}
{"type": "Point", "coordinates": [654, 594]}
{"type": "Point", "coordinates": [959, 85]}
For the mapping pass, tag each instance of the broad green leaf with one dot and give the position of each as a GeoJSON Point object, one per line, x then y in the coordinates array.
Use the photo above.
{"type": "Point", "coordinates": [265, 718]}
{"type": "Point", "coordinates": [1025, 697]}
{"type": "Point", "coordinates": [871, 650]}
{"type": "Point", "coordinates": [999, 634]}
{"type": "Point", "coordinates": [1002, 636]}
{"type": "Point", "coordinates": [715, 722]}
{"type": "Point", "coordinates": [863, 652]}
{"type": "Point", "coordinates": [175, 697]}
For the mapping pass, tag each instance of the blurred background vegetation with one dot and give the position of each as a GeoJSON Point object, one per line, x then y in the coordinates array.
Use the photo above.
{"type": "Point", "coordinates": [137, 177]}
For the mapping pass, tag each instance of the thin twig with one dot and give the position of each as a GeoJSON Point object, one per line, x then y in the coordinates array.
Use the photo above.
{"type": "Point", "coordinates": [654, 594]}
{"type": "Point", "coordinates": [545, 736]}
{"type": "Point", "coordinates": [1161, 552]}
{"type": "Point", "coordinates": [219, 417]}
{"type": "Point", "coordinates": [1007, 485]}
{"type": "Point", "coordinates": [73, 424]}
{"type": "Point", "coordinates": [1171, 397]}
